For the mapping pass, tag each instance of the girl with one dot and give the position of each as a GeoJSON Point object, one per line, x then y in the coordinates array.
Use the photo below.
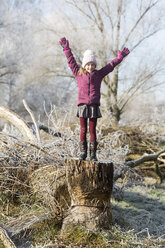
{"type": "Point", "coordinates": [89, 82]}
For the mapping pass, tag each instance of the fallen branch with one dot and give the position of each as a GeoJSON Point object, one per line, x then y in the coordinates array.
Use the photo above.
{"type": "Point", "coordinates": [49, 131]}
{"type": "Point", "coordinates": [120, 172]}
{"type": "Point", "coordinates": [19, 123]}
{"type": "Point", "coordinates": [145, 158]}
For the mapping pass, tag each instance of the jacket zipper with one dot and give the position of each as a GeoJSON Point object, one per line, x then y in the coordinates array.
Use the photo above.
{"type": "Point", "coordinates": [89, 89]}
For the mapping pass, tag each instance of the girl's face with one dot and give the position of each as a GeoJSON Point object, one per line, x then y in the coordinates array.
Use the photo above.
{"type": "Point", "coordinates": [89, 67]}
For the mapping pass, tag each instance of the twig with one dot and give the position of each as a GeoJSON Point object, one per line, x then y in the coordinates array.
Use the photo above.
{"type": "Point", "coordinates": [34, 121]}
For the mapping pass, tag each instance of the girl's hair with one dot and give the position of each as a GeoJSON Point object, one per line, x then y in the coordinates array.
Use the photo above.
{"type": "Point", "coordinates": [82, 71]}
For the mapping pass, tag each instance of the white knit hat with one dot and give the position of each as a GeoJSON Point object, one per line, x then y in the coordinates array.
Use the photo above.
{"type": "Point", "coordinates": [88, 56]}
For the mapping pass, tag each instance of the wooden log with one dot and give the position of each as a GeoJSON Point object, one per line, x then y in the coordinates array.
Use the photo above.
{"type": "Point", "coordinates": [90, 187]}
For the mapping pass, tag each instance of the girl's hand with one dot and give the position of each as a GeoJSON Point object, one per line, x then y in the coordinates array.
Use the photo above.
{"type": "Point", "coordinates": [64, 43]}
{"type": "Point", "coordinates": [125, 52]}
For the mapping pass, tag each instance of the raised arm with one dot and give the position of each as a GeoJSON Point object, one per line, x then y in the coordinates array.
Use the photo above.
{"type": "Point", "coordinates": [110, 67]}
{"type": "Point", "coordinates": [71, 60]}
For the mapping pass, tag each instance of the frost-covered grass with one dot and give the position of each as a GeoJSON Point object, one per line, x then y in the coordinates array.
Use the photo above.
{"type": "Point", "coordinates": [143, 210]}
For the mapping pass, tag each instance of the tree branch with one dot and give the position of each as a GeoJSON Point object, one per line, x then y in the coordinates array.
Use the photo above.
{"type": "Point", "coordinates": [16, 121]}
{"type": "Point", "coordinates": [119, 172]}
{"type": "Point", "coordinates": [144, 38]}
{"type": "Point", "coordinates": [137, 22]}
{"type": "Point", "coordinates": [34, 121]}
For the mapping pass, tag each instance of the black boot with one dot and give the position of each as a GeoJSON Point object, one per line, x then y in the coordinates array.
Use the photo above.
{"type": "Point", "coordinates": [93, 149]}
{"type": "Point", "coordinates": [83, 150]}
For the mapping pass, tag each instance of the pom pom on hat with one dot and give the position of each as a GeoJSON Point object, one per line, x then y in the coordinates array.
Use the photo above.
{"type": "Point", "coordinates": [88, 56]}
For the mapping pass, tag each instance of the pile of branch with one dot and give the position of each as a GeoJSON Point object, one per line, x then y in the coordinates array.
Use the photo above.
{"type": "Point", "coordinates": [138, 142]}
{"type": "Point", "coordinates": [145, 155]}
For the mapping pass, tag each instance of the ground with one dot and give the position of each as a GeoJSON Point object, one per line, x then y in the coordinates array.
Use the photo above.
{"type": "Point", "coordinates": [138, 211]}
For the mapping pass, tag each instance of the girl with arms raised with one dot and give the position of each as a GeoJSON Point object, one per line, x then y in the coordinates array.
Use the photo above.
{"type": "Point", "coordinates": [89, 83]}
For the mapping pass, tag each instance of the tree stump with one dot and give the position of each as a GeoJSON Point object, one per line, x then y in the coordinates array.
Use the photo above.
{"type": "Point", "coordinates": [90, 187]}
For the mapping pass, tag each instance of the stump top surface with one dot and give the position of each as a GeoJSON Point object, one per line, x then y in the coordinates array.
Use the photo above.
{"type": "Point", "coordinates": [88, 163]}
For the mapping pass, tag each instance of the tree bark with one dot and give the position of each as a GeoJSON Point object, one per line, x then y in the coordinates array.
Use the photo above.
{"type": "Point", "coordinates": [114, 109]}
{"type": "Point", "coordinates": [90, 187]}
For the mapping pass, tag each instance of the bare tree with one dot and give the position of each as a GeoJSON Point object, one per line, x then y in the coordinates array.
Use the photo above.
{"type": "Point", "coordinates": [115, 25]}
{"type": "Point", "coordinates": [15, 21]}
{"type": "Point", "coordinates": [8, 61]}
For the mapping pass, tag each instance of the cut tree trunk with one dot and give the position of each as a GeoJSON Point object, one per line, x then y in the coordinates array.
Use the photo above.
{"type": "Point", "coordinates": [90, 187]}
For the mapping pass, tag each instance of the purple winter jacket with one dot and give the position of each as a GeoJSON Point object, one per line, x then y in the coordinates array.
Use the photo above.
{"type": "Point", "coordinates": [89, 84]}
